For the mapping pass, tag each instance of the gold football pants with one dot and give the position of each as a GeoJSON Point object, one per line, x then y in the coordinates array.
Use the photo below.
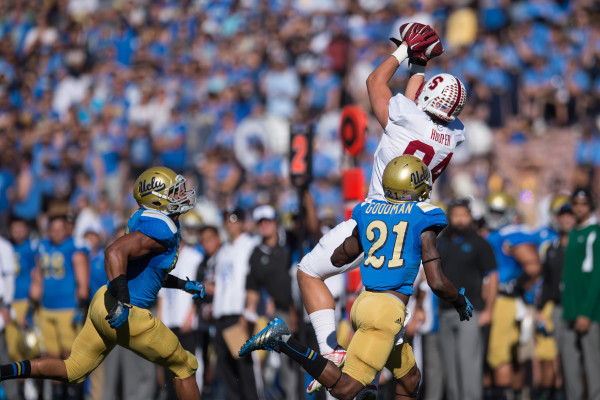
{"type": "Point", "coordinates": [13, 333]}
{"type": "Point", "coordinates": [545, 346]}
{"type": "Point", "coordinates": [377, 318]}
{"type": "Point", "coordinates": [58, 331]}
{"type": "Point", "coordinates": [144, 334]}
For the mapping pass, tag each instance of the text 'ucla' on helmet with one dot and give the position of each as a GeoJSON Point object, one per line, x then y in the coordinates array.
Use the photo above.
{"type": "Point", "coordinates": [443, 96]}
{"type": "Point", "coordinates": [161, 189]}
{"type": "Point", "coordinates": [406, 178]}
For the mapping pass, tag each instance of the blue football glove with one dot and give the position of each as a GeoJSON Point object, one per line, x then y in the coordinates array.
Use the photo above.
{"type": "Point", "coordinates": [80, 312]}
{"type": "Point", "coordinates": [118, 314]}
{"type": "Point", "coordinates": [194, 287]}
{"type": "Point", "coordinates": [79, 317]}
{"type": "Point", "coordinates": [29, 316]}
{"type": "Point", "coordinates": [463, 306]}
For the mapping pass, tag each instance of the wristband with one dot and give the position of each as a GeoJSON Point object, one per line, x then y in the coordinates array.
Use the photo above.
{"type": "Point", "coordinates": [173, 282]}
{"type": "Point", "coordinates": [83, 304]}
{"type": "Point", "coordinates": [417, 69]}
{"type": "Point", "coordinates": [460, 301]}
{"type": "Point", "coordinates": [401, 53]}
{"type": "Point", "coordinates": [119, 288]}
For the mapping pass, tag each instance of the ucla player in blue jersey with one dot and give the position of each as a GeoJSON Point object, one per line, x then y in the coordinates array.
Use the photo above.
{"type": "Point", "coordinates": [519, 267]}
{"type": "Point", "coordinates": [25, 251]}
{"type": "Point", "coordinates": [59, 286]}
{"type": "Point", "coordinates": [137, 265]}
{"type": "Point", "coordinates": [547, 234]}
{"type": "Point", "coordinates": [395, 235]}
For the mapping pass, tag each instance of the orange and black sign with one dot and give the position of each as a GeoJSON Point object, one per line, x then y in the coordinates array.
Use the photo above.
{"type": "Point", "coordinates": [353, 129]}
{"type": "Point", "coordinates": [301, 154]}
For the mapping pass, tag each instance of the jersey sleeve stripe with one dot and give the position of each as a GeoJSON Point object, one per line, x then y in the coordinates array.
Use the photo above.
{"type": "Point", "coordinates": [161, 216]}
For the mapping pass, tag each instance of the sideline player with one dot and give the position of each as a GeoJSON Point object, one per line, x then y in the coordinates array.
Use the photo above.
{"type": "Point", "coordinates": [137, 265]}
{"type": "Point", "coordinates": [518, 269]}
{"type": "Point", "coordinates": [427, 128]}
{"type": "Point", "coordinates": [396, 235]}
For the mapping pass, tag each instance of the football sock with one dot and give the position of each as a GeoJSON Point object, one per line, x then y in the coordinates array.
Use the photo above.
{"type": "Point", "coordinates": [502, 392]}
{"type": "Point", "coordinates": [546, 393]}
{"type": "Point", "coordinates": [376, 380]}
{"type": "Point", "coordinates": [309, 359]}
{"type": "Point", "coordinates": [323, 322]}
{"type": "Point", "coordinates": [21, 369]}
{"type": "Point", "coordinates": [489, 393]}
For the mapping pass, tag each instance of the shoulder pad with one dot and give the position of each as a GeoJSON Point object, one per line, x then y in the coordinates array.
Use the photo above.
{"type": "Point", "coordinates": [399, 106]}
{"type": "Point", "coordinates": [157, 226]}
{"type": "Point", "coordinates": [517, 234]}
{"type": "Point", "coordinates": [427, 207]}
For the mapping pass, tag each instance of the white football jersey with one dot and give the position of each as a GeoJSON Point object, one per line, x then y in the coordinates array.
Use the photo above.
{"type": "Point", "coordinates": [411, 131]}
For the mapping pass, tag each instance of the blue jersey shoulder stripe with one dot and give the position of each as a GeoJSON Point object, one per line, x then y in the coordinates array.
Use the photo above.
{"type": "Point", "coordinates": [161, 216]}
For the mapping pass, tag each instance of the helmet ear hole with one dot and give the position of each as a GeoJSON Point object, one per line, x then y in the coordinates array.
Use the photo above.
{"type": "Point", "coordinates": [156, 203]}
{"type": "Point", "coordinates": [426, 98]}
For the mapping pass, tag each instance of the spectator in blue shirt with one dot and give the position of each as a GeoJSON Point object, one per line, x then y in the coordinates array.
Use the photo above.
{"type": "Point", "coordinates": [170, 142]}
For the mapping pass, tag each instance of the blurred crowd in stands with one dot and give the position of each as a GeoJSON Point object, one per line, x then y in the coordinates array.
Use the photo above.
{"type": "Point", "coordinates": [93, 92]}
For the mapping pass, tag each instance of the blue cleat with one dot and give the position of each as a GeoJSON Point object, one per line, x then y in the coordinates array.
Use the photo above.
{"type": "Point", "coordinates": [267, 339]}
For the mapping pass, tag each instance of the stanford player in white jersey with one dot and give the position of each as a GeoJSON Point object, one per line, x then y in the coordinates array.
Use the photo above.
{"type": "Point", "coordinates": [411, 131]}
{"type": "Point", "coordinates": [423, 124]}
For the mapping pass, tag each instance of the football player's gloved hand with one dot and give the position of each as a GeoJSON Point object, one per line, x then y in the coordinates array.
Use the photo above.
{"type": "Point", "coordinates": [80, 312]}
{"type": "Point", "coordinates": [194, 287]}
{"type": "Point", "coordinates": [79, 317]}
{"type": "Point", "coordinates": [28, 321]}
{"type": "Point", "coordinates": [463, 306]}
{"type": "Point", "coordinates": [404, 30]}
{"type": "Point", "coordinates": [118, 314]}
{"type": "Point", "coordinates": [422, 41]}
{"type": "Point", "coordinates": [542, 328]}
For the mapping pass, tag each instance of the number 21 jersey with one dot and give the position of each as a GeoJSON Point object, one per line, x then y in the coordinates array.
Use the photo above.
{"type": "Point", "coordinates": [390, 235]}
{"type": "Point", "coordinates": [412, 131]}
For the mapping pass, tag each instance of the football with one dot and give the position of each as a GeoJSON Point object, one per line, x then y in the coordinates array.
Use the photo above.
{"type": "Point", "coordinates": [412, 29]}
{"type": "Point", "coordinates": [434, 49]}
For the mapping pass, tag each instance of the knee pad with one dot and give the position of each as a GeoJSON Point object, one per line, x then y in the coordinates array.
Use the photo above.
{"type": "Point", "coordinates": [76, 372]}
{"type": "Point", "coordinates": [182, 363]}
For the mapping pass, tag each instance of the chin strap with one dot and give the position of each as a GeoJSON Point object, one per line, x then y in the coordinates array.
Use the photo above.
{"type": "Point", "coordinates": [414, 396]}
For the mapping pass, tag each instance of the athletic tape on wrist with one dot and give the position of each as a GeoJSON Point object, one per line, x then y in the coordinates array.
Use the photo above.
{"type": "Point", "coordinates": [401, 53]}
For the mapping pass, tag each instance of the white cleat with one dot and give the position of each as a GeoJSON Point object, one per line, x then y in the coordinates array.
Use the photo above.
{"type": "Point", "coordinates": [338, 357]}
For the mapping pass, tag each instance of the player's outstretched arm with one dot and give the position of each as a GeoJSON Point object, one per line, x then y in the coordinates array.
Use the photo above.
{"type": "Point", "coordinates": [377, 84]}
{"type": "Point", "coordinates": [192, 287]}
{"type": "Point", "coordinates": [437, 281]}
{"type": "Point", "coordinates": [412, 87]}
{"type": "Point", "coordinates": [348, 250]}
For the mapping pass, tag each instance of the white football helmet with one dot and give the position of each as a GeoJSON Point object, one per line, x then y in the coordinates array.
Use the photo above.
{"type": "Point", "coordinates": [442, 96]}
